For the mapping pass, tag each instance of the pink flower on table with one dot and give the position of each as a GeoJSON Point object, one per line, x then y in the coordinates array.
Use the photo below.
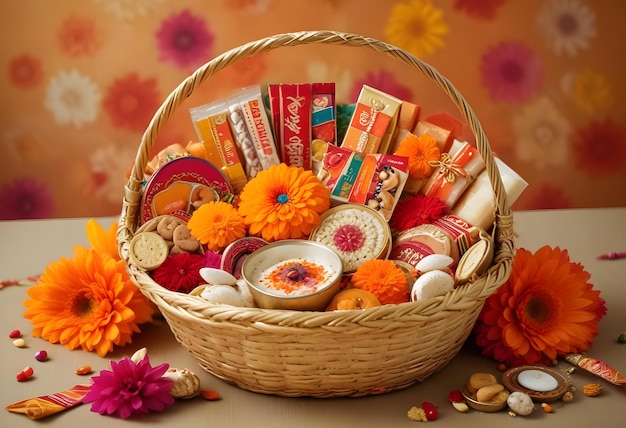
{"type": "Point", "coordinates": [184, 40]}
{"type": "Point", "coordinates": [599, 148]}
{"type": "Point", "coordinates": [480, 9]}
{"type": "Point", "coordinates": [131, 102]}
{"type": "Point", "coordinates": [25, 198]}
{"type": "Point", "coordinates": [383, 81]}
{"type": "Point", "coordinates": [130, 388]}
{"type": "Point", "coordinates": [511, 72]}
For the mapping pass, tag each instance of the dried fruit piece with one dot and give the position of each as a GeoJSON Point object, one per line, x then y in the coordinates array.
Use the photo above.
{"type": "Point", "coordinates": [210, 394]}
{"type": "Point", "coordinates": [417, 414]}
{"type": "Point", "coordinates": [15, 334]}
{"type": "Point", "coordinates": [430, 410]}
{"type": "Point", "coordinates": [24, 374]}
{"type": "Point", "coordinates": [592, 389]}
{"type": "Point", "coordinates": [455, 396]}
{"type": "Point", "coordinates": [546, 407]}
{"type": "Point", "coordinates": [568, 397]}
{"type": "Point", "coordinates": [41, 355]}
{"type": "Point", "coordinates": [460, 406]}
{"type": "Point", "coordinates": [83, 370]}
{"type": "Point", "coordinates": [622, 337]}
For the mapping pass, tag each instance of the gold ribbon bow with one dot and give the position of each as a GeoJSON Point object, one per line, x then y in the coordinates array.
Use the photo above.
{"type": "Point", "coordinates": [449, 170]}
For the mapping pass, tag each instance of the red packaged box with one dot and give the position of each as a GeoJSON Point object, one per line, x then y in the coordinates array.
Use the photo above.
{"type": "Point", "coordinates": [291, 113]}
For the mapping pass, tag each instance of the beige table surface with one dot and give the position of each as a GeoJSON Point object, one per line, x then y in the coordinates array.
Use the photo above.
{"type": "Point", "coordinates": [28, 246]}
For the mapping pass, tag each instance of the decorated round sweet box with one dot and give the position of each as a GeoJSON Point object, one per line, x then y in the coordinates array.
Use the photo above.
{"type": "Point", "coordinates": [295, 257]}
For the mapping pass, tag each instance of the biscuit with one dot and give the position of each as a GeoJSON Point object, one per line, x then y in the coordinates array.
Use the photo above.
{"type": "Point", "coordinates": [183, 239]}
{"type": "Point", "coordinates": [166, 227]}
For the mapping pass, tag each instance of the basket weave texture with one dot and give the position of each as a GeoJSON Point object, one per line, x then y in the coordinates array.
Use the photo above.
{"type": "Point", "coordinates": [320, 354]}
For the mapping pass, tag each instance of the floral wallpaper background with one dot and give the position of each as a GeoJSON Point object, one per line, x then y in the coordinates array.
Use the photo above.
{"type": "Point", "coordinates": [81, 80]}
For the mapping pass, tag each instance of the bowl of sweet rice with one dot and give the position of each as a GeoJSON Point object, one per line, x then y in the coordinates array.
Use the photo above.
{"type": "Point", "coordinates": [293, 274]}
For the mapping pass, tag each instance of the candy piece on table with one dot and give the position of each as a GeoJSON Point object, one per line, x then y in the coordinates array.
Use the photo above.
{"type": "Point", "coordinates": [186, 384]}
{"type": "Point", "coordinates": [520, 403]}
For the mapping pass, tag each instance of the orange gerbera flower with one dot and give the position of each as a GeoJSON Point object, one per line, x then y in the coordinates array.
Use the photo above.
{"type": "Point", "coordinates": [216, 224]}
{"type": "Point", "coordinates": [547, 308]}
{"type": "Point", "coordinates": [384, 279]}
{"type": "Point", "coordinates": [283, 202]}
{"type": "Point", "coordinates": [101, 240]}
{"type": "Point", "coordinates": [87, 301]}
{"type": "Point", "coordinates": [420, 151]}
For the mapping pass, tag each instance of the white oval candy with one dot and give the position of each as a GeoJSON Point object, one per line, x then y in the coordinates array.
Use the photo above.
{"type": "Point", "coordinates": [217, 276]}
{"type": "Point", "coordinates": [431, 284]}
{"type": "Point", "coordinates": [434, 262]}
{"type": "Point", "coordinates": [226, 295]}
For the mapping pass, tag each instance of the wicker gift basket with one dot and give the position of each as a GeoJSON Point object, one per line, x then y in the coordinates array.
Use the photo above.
{"type": "Point", "coordinates": [320, 354]}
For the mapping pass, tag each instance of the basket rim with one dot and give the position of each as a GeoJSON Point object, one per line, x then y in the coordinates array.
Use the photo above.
{"type": "Point", "coordinates": [456, 300]}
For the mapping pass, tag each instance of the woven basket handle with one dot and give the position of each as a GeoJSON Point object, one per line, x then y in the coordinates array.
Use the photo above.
{"type": "Point", "coordinates": [187, 86]}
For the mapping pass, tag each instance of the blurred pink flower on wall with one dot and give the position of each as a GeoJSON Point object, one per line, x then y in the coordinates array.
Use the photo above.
{"type": "Point", "coordinates": [511, 72]}
{"type": "Point", "coordinates": [599, 148]}
{"type": "Point", "coordinates": [184, 40]}
{"type": "Point", "coordinates": [25, 71]}
{"type": "Point", "coordinates": [131, 102]}
{"type": "Point", "coordinates": [480, 9]}
{"type": "Point", "coordinates": [25, 198]}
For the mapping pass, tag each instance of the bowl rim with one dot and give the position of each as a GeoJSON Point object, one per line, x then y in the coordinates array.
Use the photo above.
{"type": "Point", "coordinates": [336, 277]}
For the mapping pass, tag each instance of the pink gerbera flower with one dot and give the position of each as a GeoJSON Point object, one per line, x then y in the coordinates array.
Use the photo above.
{"type": "Point", "coordinates": [130, 388]}
{"type": "Point", "coordinates": [184, 40]}
{"type": "Point", "coordinates": [511, 72]}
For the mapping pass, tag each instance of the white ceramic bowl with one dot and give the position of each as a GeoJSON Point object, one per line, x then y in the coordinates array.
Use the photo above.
{"type": "Point", "coordinates": [268, 257]}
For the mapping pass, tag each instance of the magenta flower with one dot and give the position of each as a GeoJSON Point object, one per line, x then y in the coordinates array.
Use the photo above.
{"type": "Point", "coordinates": [25, 198]}
{"type": "Point", "coordinates": [511, 72]}
{"type": "Point", "coordinates": [184, 40]}
{"type": "Point", "coordinates": [129, 389]}
{"type": "Point", "coordinates": [383, 81]}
